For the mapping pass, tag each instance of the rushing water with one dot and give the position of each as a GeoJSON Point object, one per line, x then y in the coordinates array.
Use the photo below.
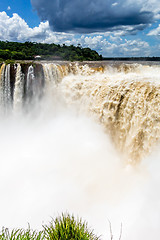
{"type": "Point", "coordinates": [81, 138]}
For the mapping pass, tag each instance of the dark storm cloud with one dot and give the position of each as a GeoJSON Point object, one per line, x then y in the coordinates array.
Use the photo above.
{"type": "Point", "coordinates": [86, 16]}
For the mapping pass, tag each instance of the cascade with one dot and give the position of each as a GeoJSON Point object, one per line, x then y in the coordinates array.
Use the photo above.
{"type": "Point", "coordinates": [52, 73]}
{"type": "Point", "coordinates": [18, 89]}
{"type": "Point", "coordinates": [5, 89]}
{"type": "Point", "coordinates": [82, 138]}
{"type": "Point", "coordinates": [2, 77]}
{"type": "Point", "coordinates": [30, 84]}
{"type": "Point", "coordinates": [124, 98]}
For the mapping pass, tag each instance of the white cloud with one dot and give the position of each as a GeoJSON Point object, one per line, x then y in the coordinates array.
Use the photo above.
{"type": "Point", "coordinates": [155, 32]}
{"type": "Point", "coordinates": [113, 45]}
{"type": "Point", "coordinates": [16, 29]}
{"type": "Point", "coordinates": [125, 48]}
{"type": "Point", "coordinates": [108, 44]}
{"type": "Point", "coordinates": [9, 8]}
{"type": "Point", "coordinates": [12, 28]}
{"type": "Point", "coordinates": [114, 4]}
{"type": "Point", "coordinates": [150, 5]}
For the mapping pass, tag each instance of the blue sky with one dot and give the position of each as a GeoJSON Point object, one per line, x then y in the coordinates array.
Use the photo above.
{"type": "Point", "coordinates": [116, 28]}
{"type": "Point", "coordinates": [23, 8]}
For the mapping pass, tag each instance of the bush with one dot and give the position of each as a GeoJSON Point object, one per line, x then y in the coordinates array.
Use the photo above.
{"type": "Point", "coordinates": [18, 55]}
{"type": "Point", "coordinates": [5, 54]}
{"type": "Point", "coordinates": [65, 227]}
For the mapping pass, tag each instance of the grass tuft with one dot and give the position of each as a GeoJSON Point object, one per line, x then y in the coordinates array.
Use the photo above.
{"type": "Point", "coordinates": [64, 227]}
{"type": "Point", "coordinates": [20, 234]}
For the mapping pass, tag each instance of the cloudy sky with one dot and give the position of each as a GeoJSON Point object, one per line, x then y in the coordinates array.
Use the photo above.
{"type": "Point", "coordinates": [111, 27]}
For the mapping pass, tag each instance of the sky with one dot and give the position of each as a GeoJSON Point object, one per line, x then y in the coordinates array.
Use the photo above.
{"type": "Point", "coordinates": [114, 28]}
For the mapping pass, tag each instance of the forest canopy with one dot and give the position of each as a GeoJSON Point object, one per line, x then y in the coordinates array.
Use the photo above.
{"type": "Point", "coordinates": [44, 51]}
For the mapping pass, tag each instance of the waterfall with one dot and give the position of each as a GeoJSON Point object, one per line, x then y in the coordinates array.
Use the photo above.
{"type": "Point", "coordinates": [2, 78]}
{"type": "Point", "coordinates": [53, 73]}
{"type": "Point", "coordinates": [49, 73]}
{"type": "Point", "coordinates": [124, 98]}
{"type": "Point", "coordinates": [18, 89]}
{"type": "Point", "coordinates": [82, 138]}
{"type": "Point", "coordinates": [30, 84]}
{"type": "Point", "coordinates": [5, 88]}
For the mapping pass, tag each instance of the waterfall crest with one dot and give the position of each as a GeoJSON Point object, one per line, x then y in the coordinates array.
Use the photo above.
{"type": "Point", "coordinates": [124, 98]}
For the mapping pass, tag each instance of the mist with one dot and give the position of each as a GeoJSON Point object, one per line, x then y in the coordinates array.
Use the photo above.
{"type": "Point", "coordinates": [65, 162]}
{"type": "Point", "coordinates": [55, 158]}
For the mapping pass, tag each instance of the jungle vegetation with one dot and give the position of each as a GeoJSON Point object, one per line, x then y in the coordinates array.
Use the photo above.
{"type": "Point", "coordinates": [44, 51]}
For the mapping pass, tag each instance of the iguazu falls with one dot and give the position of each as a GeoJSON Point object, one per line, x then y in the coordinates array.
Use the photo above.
{"type": "Point", "coordinates": [81, 137]}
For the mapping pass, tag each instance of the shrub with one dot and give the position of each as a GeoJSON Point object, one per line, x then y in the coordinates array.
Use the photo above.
{"type": "Point", "coordinates": [66, 227]}
{"type": "Point", "coordinates": [20, 234]}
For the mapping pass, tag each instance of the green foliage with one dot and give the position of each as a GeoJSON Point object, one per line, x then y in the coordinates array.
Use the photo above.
{"type": "Point", "coordinates": [5, 54]}
{"type": "Point", "coordinates": [28, 51]}
{"type": "Point", "coordinates": [64, 227]}
{"type": "Point", "coordinates": [1, 61]}
{"type": "Point", "coordinates": [20, 234]}
{"type": "Point", "coordinates": [18, 55]}
{"type": "Point", "coordinates": [8, 61]}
